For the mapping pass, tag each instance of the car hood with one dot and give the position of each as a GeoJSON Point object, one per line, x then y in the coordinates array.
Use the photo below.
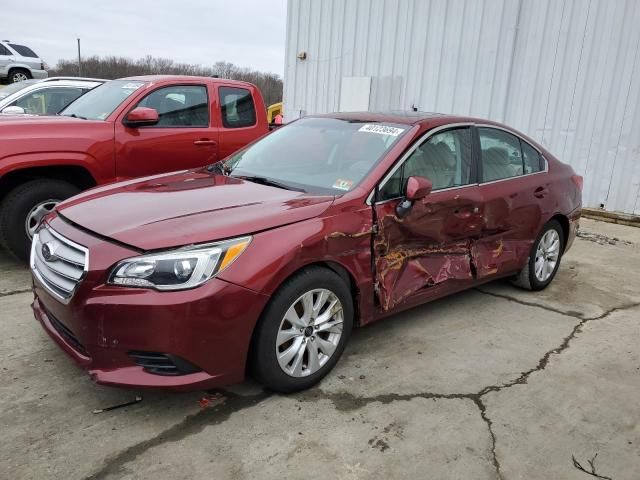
{"type": "Point", "coordinates": [182, 208]}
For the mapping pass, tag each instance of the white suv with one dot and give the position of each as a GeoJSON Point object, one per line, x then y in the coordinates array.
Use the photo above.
{"type": "Point", "coordinates": [18, 63]}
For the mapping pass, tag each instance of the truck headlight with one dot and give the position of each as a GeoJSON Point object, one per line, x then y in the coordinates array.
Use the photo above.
{"type": "Point", "coordinates": [178, 269]}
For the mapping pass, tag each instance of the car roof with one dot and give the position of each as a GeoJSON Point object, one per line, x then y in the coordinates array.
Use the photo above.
{"type": "Point", "coordinates": [84, 79]}
{"type": "Point", "coordinates": [408, 117]}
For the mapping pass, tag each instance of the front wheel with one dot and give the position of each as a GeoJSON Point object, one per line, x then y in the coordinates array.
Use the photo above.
{"type": "Point", "coordinates": [22, 209]}
{"type": "Point", "coordinates": [303, 331]}
{"type": "Point", "coordinates": [544, 259]}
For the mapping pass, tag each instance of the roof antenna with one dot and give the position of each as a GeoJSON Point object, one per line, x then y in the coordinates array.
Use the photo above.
{"type": "Point", "coordinates": [414, 107]}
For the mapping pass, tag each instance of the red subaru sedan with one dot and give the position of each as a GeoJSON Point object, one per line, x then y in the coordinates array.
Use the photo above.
{"type": "Point", "coordinates": [265, 262]}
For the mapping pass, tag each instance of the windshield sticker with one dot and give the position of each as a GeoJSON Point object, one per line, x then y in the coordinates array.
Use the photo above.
{"type": "Point", "coordinates": [132, 86]}
{"type": "Point", "coordinates": [381, 129]}
{"type": "Point", "coordinates": [343, 184]}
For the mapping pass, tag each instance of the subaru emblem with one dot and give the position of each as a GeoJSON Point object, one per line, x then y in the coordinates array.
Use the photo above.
{"type": "Point", "coordinates": [48, 252]}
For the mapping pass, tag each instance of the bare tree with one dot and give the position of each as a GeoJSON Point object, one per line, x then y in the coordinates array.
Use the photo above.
{"type": "Point", "coordinates": [111, 67]}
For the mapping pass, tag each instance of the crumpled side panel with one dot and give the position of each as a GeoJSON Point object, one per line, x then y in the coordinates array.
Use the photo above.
{"type": "Point", "coordinates": [403, 272]}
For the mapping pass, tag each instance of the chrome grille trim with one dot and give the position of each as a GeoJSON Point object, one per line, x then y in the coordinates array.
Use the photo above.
{"type": "Point", "coordinates": [61, 275]}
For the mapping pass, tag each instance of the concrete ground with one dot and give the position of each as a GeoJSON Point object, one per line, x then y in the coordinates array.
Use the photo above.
{"type": "Point", "coordinates": [490, 383]}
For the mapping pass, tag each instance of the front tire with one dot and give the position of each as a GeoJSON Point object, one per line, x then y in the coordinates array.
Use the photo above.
{"type": "Point", "coordinates": [544, 259]}
{"type": "Point", "coordinates": [303, 331]}
{"type": "Point", "coordinates": [22, 209]}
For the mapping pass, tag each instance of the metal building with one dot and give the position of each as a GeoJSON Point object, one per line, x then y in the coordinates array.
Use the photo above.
{"type": "Point", "coordinates": [565, 72]}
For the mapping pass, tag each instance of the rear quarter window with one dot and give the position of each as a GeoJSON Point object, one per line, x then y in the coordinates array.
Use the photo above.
{"type": "Point", "coordinates": [24, 51]}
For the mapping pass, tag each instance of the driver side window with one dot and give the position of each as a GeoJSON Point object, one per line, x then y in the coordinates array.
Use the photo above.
{"type": "Point", "coordinates": [445, 159]}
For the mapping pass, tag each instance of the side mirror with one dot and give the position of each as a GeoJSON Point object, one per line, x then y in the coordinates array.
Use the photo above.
{"type": "Point", "coordinates": [417, 189]}
{"type": "Point", "coordinates": [13, 110]}
{"type": "Point", "coordinates": [141, 117]}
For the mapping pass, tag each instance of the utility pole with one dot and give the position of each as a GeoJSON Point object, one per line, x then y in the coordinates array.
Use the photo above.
{"type": "Point", "coordinates": [79, 60]}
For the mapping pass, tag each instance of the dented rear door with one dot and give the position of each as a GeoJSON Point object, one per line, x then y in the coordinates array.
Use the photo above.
{"type": "Point", "coordinates": [429, 250]}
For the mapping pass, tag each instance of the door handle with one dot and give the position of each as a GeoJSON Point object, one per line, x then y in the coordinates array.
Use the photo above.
{"type": "Point", "coordinates": [205, 141]}
{"type": "Point", "coordinates": [540, 192]}
{"type": "Point", "coordinates": [465, 212]}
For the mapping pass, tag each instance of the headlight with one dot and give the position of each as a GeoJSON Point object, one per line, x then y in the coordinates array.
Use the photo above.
{"type": "Point", "coordinates": [178, 269]}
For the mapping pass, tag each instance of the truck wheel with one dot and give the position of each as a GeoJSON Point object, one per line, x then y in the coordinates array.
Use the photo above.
{"type": "Point", "coordinates": [18, 75]}
{"type": "Point", "coordinates": [22, 209]}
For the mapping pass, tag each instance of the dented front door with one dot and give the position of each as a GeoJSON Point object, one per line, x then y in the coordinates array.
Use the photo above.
{"type": "Point", "coordinates": [428, 249]}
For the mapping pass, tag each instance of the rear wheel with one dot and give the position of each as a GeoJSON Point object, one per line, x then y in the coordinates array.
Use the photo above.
{"type": "Point", "coordinates": [303, 331]}
{"type": "Point", "coordinates": [22, 209]}
{"type": "Point", "coordinates": [544, 259]}
{"type": "Point", "coordinates": [18, 75]}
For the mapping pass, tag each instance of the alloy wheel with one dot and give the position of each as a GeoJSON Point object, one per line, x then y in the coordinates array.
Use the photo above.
{"type": "Point", "coordinates": [547, 255]}
{"type": "Point", "coordinates": [36, 213]}
{"type": "Point", "coordinates": [19, 77]}
{"type": "Point", "coordinates": [309, 333]}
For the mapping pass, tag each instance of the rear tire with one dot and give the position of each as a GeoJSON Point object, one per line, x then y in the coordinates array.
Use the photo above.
{"type": "Point", "coordinates": [18, 75]}
{"type": "Point", "coordinates": [544, 259]}
{"type": "Point", "coordinates": [316, 344]}
{"type": "Point", "coordinates": [21, 203]}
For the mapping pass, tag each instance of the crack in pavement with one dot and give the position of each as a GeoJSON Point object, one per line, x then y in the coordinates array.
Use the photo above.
{"type": "Point", "coordinates": [343, 401]}
{"type": "Point", "coordinates": [14, 292]}
{"type": "Point", "coordinates": [190, 425]}
{"type": "Point", "coordinates": [568, 313]}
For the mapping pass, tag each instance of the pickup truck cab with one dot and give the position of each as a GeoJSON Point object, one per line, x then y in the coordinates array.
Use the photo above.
{"type": "Point", "coordinates": [132, 127]}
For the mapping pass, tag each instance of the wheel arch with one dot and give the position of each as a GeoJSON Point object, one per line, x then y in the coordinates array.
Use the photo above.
{"type": "Point", "coordinates": [563, 220]}
{"type": "Point", "coordinates": [334, 266]}
{"type": "Point", "coordinates": [76, 175]}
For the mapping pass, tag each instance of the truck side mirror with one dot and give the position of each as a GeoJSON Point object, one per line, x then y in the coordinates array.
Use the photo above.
{"type": "Point", "coordinates": [141, 117]}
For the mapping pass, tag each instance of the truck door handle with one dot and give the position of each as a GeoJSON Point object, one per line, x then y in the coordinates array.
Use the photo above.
{"type": "Point", "coordinates": [204, 141]}
{"type": "Point", "coordinates": [540, 192]}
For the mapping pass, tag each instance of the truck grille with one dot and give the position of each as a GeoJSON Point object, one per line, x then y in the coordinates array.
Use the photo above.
{"type": "Point", "coordinates": [58, 263]}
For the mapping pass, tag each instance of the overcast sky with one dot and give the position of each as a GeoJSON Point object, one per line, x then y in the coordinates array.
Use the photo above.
{"type": "Point", "coordinates": [249, 33]}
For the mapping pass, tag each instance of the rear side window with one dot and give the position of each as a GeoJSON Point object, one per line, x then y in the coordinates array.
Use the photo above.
{"type": "Point", "coordinates": [237, 107]}
{"type": "Point", "coordinates": [24, 51]}
{"type": "Point", "coordinates": [531, 158]}
{"type": "Point", "coordinates": [4, 50]}
{"type": "Point", "coordinates": [501, 154]}
{"type": "Point", "coordinates": [179, 106]}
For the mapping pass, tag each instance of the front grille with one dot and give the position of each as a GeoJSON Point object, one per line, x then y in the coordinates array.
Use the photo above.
{"type": "Point", "coordinates": [67, 334]}
{"type": "Point", "coordinates": [162, 363]}
{"type": "Point", "coordinates": [58, 263]}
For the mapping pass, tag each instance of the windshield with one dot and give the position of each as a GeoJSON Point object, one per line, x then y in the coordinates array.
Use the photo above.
{"type": "Point", "coordinates": [100, 102]}
{"type": "Point", "coordinates": [15, 87]}
{"type": "Point", "coordinates": [320, 155]}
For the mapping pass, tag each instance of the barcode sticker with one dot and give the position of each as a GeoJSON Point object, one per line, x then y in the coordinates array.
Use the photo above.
{"type": "Point", "coordinates": [381, 129]}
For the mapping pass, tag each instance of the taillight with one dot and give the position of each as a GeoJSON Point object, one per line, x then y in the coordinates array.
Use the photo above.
{"type": "Point", "coordinates": [578, 180]}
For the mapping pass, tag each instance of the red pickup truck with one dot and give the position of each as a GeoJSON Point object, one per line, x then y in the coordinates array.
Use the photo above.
{"type": "Point", "coordinates": [125, 128]}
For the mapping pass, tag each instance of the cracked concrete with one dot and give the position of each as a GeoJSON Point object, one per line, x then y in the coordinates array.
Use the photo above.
{"type": "Point", "coordinates": [492, 383]}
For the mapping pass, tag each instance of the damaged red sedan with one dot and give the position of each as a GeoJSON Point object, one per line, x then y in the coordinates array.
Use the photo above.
{"type": "Point", "coordinates": [265, 262]}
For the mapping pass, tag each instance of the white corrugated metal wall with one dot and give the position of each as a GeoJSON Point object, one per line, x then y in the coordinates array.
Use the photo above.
{"type": "Point", "coordinates": [565, 72]}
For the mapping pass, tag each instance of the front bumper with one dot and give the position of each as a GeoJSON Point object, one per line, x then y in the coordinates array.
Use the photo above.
{"type": "Point", "coordinates": [209, 327]}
